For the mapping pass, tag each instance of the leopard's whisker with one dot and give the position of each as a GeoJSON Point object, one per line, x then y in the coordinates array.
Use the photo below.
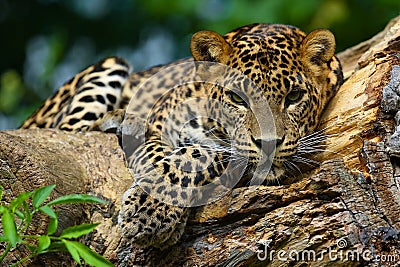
{"type": "Point", "coordinates": [309, 151]}
{"type": "Point", "coordinates": [292, 166]}
{"type": "Point", "coordinates": [309, 162]}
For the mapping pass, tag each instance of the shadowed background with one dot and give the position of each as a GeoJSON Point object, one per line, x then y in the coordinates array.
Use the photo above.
{"type": "Point", "coordinates": [45, 42]}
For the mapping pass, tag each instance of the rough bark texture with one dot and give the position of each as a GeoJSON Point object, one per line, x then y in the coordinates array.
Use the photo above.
{"type": "Point", "coordinates": [346, 212]}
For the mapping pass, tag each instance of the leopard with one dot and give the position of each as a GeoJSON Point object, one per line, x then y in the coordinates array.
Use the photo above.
{"type": "Point", "coordinates": [245, 104]}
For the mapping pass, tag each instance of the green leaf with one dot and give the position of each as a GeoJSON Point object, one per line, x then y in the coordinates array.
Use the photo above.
{"type": "Point", "coordinates": [92, 258]}
{"type": "Point", "coordinates": [76, 198]}
{"type": "Point", "coordinates": [9, 228]}
{"type": "Point", "coordinates": [44, 243]}
{"type": "Point", "coordinates": [31, 248]}
{"type": "Point", "coordinates": [78, 230]}
{"type": "Point", "coordinates": [52, 227]}
{"type": "Point", "coordinates": [89, 256]}
{"type": "Point", "coordinates": [19, 200]}
{"type": "Point", "coordinates": [27, 213]}
{"type": "Point", "coordinates": [49, 211]}
{"type": "Point", "coordinates": [57, 246]}
{"type": "Point", "coordinates": [20, 214]}
{"type": "Point", "coordinates": [41, 194]}
{"type": "Point", "coordinates": [73, 250]}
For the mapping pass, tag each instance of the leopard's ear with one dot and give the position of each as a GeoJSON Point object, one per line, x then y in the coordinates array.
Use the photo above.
{"type": "Point", "coordinates": [317, 49]}
{"type": "Point", "coordinates": [209, 46]}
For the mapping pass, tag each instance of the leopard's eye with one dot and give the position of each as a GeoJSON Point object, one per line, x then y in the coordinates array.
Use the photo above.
{"type": "Point", "coordinates": [294, 95]}
{"type": "Point", "coordinates": [237, 98]}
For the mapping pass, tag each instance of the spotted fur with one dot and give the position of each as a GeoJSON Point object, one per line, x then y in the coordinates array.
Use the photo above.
{"type": "Point", "coordinates": [295, 73]}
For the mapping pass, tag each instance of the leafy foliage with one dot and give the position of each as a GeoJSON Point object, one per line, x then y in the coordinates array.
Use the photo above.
{"type": "Point", "coordinates": [17, 216]}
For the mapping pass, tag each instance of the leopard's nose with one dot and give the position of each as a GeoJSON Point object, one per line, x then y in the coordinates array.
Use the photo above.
{"type": "Point", "coordinates": [268, 146]}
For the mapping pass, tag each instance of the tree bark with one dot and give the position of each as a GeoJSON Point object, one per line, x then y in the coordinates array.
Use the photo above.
{"type": "Point", "coordinates": [344, 213]}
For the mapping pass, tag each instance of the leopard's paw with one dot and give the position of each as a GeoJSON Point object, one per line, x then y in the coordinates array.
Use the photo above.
{"type": "Point", "coordinates": [146, 221]}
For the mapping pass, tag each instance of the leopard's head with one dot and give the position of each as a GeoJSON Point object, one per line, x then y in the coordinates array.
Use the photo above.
{"type": "Point", "coordinates": [295, 73]}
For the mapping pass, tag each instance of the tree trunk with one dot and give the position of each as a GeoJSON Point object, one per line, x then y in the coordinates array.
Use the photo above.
{"type": "Point", "coordinates": [346, 212]}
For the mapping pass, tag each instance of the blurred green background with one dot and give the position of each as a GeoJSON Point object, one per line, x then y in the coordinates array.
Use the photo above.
{"type": "Point", "coordinates": [45, 42]}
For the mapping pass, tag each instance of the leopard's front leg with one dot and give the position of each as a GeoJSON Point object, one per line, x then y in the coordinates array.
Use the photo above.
{"type": "Point", "coordinates": [167, 183]}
